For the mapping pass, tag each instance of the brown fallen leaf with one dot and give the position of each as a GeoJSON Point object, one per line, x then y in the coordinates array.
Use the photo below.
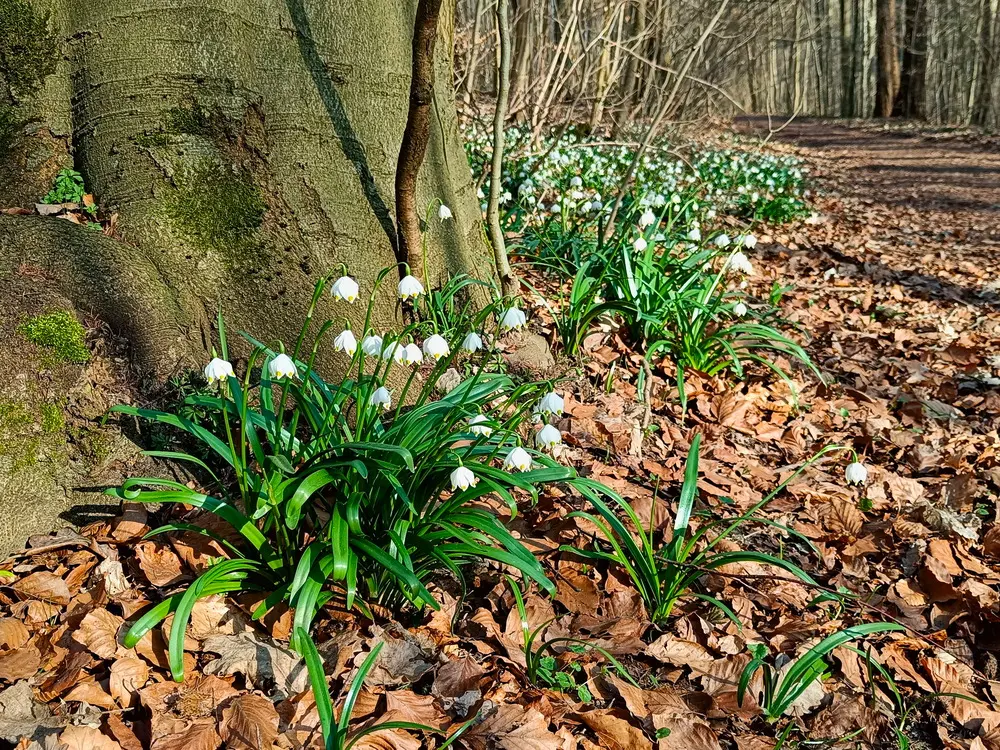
{"type": "Point", "coordinates": [98, 632]}
{"type": "Point", "coordinates": [13, 634]}
{"type": "Point", "coordinates": [614, 730]}
{"type": "Point", "coordinates": [90, 692]}
{"type": "Point", "coordinates": [686, 732]}
{"type": "Point", "coordinates": [513, 727]}
{"type": "Point", "coordinates": [261, 662]}
{"type": "Point", "coordinates": [405, 705]}
{"type": "Point", "coordinates": [86, 738]}
{"type": "Point", "coordinates": [19, 664]}
{"type": "Point", "coordinates": [128, 676]}
{"type": "Point", "coordinates": [160, 563]}
{"type": "Point", "coordinates": [388, 739]}
{"type": "Point", "coordinates": [45, 587]}
{"type": "Point", "coordinates": [194, 735]}
{"type": "Point", "coordinates": [249, 722]}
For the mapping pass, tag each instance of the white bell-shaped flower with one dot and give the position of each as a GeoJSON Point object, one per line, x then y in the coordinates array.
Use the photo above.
{"type": "Point", "coordinates": [640, 244]}
{"type": "Point", "coordinates": [410, 288]}
{"type": "Point", "coordinates": [513, 319]}
{"type": "Point", "coordinates": [345, 288]}
{"type": "Point", "coordinates": [412, 355]}
{"type": "Point", "coordinates": [749, 241]}
{"type": "Point", "coordinates": [576, 182]}
{"type": "Point", "coordinates": [394, 350]}
{"type": "Point", "coordinates": [694, 235]}
{"type": "Point", "coordinates": [856, 473]}
{"type": "Point", "coordinates": [478, 426]}
{"type": "Point", "coordinates": [282, 367]}
{"type": "Point", "coordinates": [436, 347]}
{"type": "Point", "coordinates": [551, 403]}
{"type": "Point", "coordinates": [381, 397]}
{"type": "Point", "coordinates": [647, 218]}
{"type": "Point", "coordinates": [444, 213]}
{"type": "Point", "coordinates": [218, 369]}
{"type": "Point", "coordinates": [517, 459]}
{"type": "Point", "coordinates": [741, 264]}
{"type": "Point", "coordinates": [739, 309]}
{"type": "Point", "coordinates": [372, 345]}
{"type": "Point", "coordinates": [463, 478]}
{"type": "Point", "coordinates": [346, 342]}
{"type": "Point", "coordinates": [722, 240]}
{"type": "Point", "coordinates": [473, 342]}
{"type": "Point", "coordinates": [548, 437]}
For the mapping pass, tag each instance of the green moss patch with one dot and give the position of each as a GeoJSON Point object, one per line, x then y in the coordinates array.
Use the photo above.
{"type": "Point", "coordinates": [28, 49]}
{"type": "Point", "coordinates": [59, 332]}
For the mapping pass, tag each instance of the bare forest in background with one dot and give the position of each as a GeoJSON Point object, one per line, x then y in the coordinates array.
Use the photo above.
{"type": "Point", "coordinates": [614, 61]}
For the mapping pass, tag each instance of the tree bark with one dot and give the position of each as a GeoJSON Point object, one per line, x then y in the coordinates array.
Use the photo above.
{"type": "Point", "coordinates": [887, 58]}
{"type": "Point", "coordinates": [983, 100]}
{"type": "Point", "coordinates": [246, 146]}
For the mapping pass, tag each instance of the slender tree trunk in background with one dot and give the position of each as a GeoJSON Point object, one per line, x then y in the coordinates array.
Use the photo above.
{"type": "Point", "coordinates": [886, 58]}
{"type": "Point", "coordinates": [910, 99]}
{"type": "Point", "coordinates": [523, 48]}
{"type": "Point", "coordinates": [415, 137]}
{"type": "Point", "coordinates": [603, 74]}
{"type": "Point", "coordinates": [240, 170]}
{"type": "Point", "coordinates": [507, 280]}
{"type": "Point", "coordinates": [982, 102]}
{"type": "Point", "coordinates": [470, 74]}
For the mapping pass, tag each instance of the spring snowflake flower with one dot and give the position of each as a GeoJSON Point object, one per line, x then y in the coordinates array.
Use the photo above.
{"type": "Point", "coordinates": [576, 182]}
{"type": "Point", "coordinates": [640, 245]}
{"type": "Point", "coordinates": [741, 264]}
{"type": "Point", "coordinates": [722, 240]}
{"type": "Point", "coordinates": [218, 369]}
{"type": "Point", "coordinates": [346, 342]}
{"type": "Point", "coordinates": [856, 473]}
{"type": "Point", "coordinates": [372, 345]}
{"type": "Point", "coordinates": [381, 397]}
{"type": "Point", "coordinates": [282, 367]}
{"type": "Point", "coordinates": [548, 437]}
{"type": "Point", "coordinates": [512, 319]}
{"type": "Point", "coordinates": [648, 218]}
{"type": "Point", "coordinates": [694, 235]}
{"type": "Point", "coordinates": [410, 288]}
{"type": "Point", "coordinates": [551, 403]}
{"type": "Point", "coordinates": [517, 459]}
{"type": "Point", "coordinates": [596, 206]}
{"type": "Point", "coordinates": [477, 426]}
{"type": "Point", "coordinates": [739, 309]}
{"type": "Point", "coordinates": [462, 478]}
{"type": "Point", "coordinates": [749, 241]}
{"type": "Point", "coordinates": [473, 342]}
{"type": "Point", "coordinates": [480, 194]}
{"type": "Point", "coordinates": [444, 213]}
{"type": "Point", "coordinates": [394, 350]}
{"type": "Point", "coordinates": [436, 347]}
{"type": "Point", "coordinates": [345, 288]}
{"type": "Point", "coordinates": [412, 355]}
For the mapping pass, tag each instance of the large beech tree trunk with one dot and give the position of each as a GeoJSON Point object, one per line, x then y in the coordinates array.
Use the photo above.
{"type": "Point", "coordinates": [247, 146]}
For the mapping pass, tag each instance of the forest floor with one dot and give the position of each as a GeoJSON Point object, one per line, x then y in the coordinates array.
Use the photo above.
{"type": "Point", "coordinates": [894, 286]}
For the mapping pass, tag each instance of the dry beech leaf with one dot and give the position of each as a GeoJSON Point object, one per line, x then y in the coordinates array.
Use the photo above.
{"type": "Point", "coordinates": [388, 739]}
{"type": "Point", "coordinates": [513, 727]}
{"type": "Point", "coordinates": [90, 692]}
{"type": "Point", "coordinates": [160, 563]}
{"type": "Point", "coordinates": [405, 705]}
{"type": "Point", "coordinates": [192, 735]}
{"type": "Point", "coordinates": [86, 738]}
{"type": "Point", "coordinates": [98, 632]}
{"type": "Point", "coordinates": [687, 732]}
{"type": "Point", "coordinates": [262, 663]}
{"type": "Point", "coordinates": [614, 731]}
{"type": "Point", "coordinates": [13, 634]}
{"type": "Point", "coordinates": [249, 722]}
{"type": "Point", "coordinates": [127, 676]}
{"type": "Point", "coordinates": [43, 586]}
{"type": "Point", "coordinates": [19, 664]}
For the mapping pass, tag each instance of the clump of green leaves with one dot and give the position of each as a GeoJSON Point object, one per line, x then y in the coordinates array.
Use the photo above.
{"type": "Point", "coordinates": [67, 187]}
{"type": "Point", "coordinates": [60, 332]}
{"type": "Point", "coordinates": [343, 489]}
{"type": "Point", "coordinates": [664, 574]}
{"type": "Point", "coordinates": [542, 663]}
{"type": "Point", "coordinates": [782, 688]}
